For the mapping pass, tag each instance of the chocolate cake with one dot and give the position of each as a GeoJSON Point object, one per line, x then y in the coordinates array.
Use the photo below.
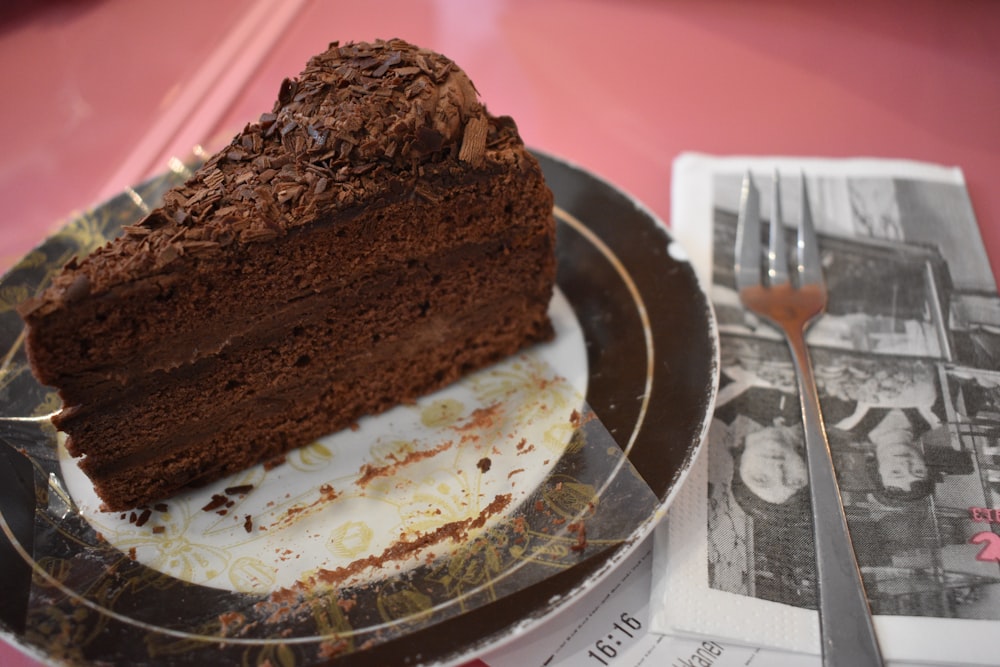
{"type": "Point", "coordinates": [371, 239]}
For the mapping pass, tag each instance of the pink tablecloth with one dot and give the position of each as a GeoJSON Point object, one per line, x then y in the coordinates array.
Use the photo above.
{"type": "Point", "coordinates": [98, 94]}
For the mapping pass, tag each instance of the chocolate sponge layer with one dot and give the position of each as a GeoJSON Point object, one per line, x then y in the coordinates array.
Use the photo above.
{"type": "Point", "coordinates": [242, 363]}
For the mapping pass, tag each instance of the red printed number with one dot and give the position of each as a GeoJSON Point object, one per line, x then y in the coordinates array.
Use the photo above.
{"type": "Point", "coordinates": [991, 545]}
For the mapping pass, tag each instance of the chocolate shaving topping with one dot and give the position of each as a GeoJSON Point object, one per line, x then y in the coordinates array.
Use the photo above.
{"type": "Point", "coordinates": [357, 112]}
{"type": "Point", "coordinates": [215, 503]}
{"type": "Point", "coordinates": [144, 517]}
{"type": "Point", "coordinates": [474, 141]}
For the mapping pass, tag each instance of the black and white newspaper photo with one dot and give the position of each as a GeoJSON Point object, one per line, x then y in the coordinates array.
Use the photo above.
{"type": "Point", "coordinates": [907, 364]}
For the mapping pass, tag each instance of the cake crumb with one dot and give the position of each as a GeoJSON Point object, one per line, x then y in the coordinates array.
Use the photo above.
{"type": "Point", "coordinates": [484, 464]}
{"type": "Point", "coordinates": [581, 535]}
{"type": "Point", "coordinates": [329, 649]}
{"type": "Point", "coordinates": [406, 546]}
{"type": "Point", "coordinates": [482, 418]}
{"type": "Point", "coordinates": [248, 523]}
{"type": "Point", "coordinates": [229, 621]}
{"type": "Point", "coordinates": [369, 472]}
{"type": "Point", "coordinates": [158, 530]}
{"type": "Point", "coordinates": [215, 503]}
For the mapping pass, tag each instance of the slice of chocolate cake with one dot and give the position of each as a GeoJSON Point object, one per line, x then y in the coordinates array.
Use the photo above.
{"type": "Point", "coordinates": [371, 239]}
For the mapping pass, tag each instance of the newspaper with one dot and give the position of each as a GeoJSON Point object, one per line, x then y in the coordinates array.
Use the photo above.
{"type": "Point", "coordinates": [907, 361]}
{"type": "Point", "coordinates": [609, 626]}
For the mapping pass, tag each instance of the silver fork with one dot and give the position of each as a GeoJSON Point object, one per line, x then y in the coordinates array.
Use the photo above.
{"type": "Point", "coordinates": [847, 634]}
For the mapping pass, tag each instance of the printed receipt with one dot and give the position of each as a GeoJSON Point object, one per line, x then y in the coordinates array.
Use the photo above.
{"type": "Point", "coordinates": [608, 626]}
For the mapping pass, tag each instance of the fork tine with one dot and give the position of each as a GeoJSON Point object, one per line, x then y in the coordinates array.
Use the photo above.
{"type": "Point", "coordinates": [748, 236]}
{"type": "Point", "coordinates": [777, 255]}
{"type": "Point", "coordinates": [810, 272]}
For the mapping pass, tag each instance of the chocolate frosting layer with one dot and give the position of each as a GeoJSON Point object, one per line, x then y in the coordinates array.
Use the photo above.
{"type": "Point", "coordinates": [362, 121]}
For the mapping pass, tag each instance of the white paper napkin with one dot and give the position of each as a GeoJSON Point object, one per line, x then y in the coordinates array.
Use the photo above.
{"type": "Point", "coordinates": [901, 209]}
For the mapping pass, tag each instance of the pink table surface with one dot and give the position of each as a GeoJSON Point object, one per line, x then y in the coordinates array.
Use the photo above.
{"type": "Point", "coordinates": [98, 94]}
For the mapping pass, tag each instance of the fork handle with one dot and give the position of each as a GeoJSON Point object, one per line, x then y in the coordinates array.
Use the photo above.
{"type": "Point", "coordinates": [845, 620]}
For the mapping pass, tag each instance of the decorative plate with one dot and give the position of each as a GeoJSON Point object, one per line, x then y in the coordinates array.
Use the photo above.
{"type": "Point", "coordinates": [424, 535]}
